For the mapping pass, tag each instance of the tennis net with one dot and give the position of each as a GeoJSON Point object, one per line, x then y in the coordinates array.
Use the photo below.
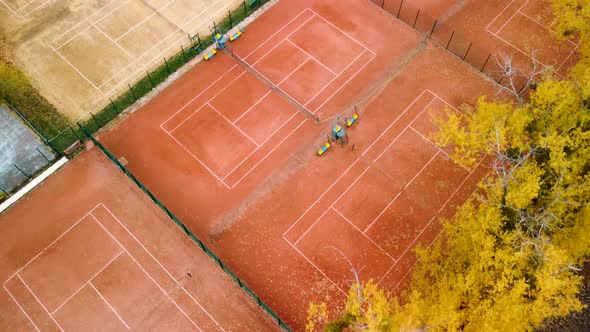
{"type": "Point", "coordinates": [275, 88]}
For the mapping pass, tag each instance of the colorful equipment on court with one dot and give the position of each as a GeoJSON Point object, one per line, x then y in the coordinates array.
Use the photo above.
{"type": "Point", "coordinates": [210, 55]}
{"type": "Point", "coordinates": [351, 121]}
{"type": "Point", "coordinates": [235, 36]}
{"type": "Point", "coordinates": [338, 132]}
{"type": "Point", "coordinates": [324, 148]}
{"type": "Point", "coordinates": [219, 39]}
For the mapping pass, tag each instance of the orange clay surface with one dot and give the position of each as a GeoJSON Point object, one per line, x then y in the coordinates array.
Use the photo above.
{"type": "Point", "coordinates": [236, 162]}
{"type": "Point", "coordinates": [88, 251]}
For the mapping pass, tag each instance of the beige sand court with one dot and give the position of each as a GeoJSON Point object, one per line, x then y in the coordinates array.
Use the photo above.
{"type": "Point", "coordinates": [80, 53]}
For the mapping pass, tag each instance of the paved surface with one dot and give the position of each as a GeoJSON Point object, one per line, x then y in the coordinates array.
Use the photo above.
{"type": "Point", "coordinates": [19, 147]}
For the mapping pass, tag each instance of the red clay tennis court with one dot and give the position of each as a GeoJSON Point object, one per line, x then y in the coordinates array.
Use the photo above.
{"type": "Point", "coordinates": [101, 256]}
{"type": "Point", "coordinates": [235, 159]}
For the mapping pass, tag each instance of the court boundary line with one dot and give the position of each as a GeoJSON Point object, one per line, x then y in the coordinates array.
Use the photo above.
{"type": "Point", "coordinates": [108, 304]}
{"type": "Point", "coordinates": [309, 56]}
{"type": "Point", "coordinates": [518, 49]}
{"type": "Point", "coordinates": [444, 205]}
{"type": "Point", "coordinates": [144, 271]}
{"type": "Point", "coordinates": [123, 249]}
{"type": "Point", "coordinates": [356, 160]}
{"type": "Point", "coordinates": [430, 222]}
{"type": "Point", "coordinates": [221, 178]}
{"type": "Point", "coordinates": [160, 264]}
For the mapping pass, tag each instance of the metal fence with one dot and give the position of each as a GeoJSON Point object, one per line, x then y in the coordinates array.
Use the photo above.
{"type": "Point", "coordinates": [188, 232]}
{"type": "Point", "coordinates": [23, 151]}
{"type": "Point", "coordinates": [477, 56]}
{"type": "Point", "coordinates": [71, 135]}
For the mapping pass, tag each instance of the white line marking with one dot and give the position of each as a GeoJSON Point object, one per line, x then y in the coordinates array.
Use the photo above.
{"type": "Point", "coordinates": [251, 107]}
{"type": "Point", "coordinates": [365, 235]}
{"type": "Point", "coordinates": [233, 125]}
{"type": "Point", "coordinates": [362, 154]}
{"type": "Point", "coordinates": [158, 262]}
{"type": "Point", "coordinates": [499, 14]}
{"type": "Point", "coordinates": [36, 298]}
{"type": "Point", "coordinates": [511, 17]}
{"type": "Point", "coordinates": [10, 9]}
{"type": "Point", "coordinates": [76, 69]}
{"type": "Point", "coordinates": [108, 304]}
{"type": "Point", "coordinates": [21, 308]}
{"type": "Point", "coordinates": [438, 148]}
{"type": "Point", "coordinates": [317, 268]}
{"type": "Point", "coordinates": [146, 273]}
{"type": "Point", "coordinates": [293, 71]}
{"type": "Point", "coordinates": [342, 31]}
{"type": "Point", "coordinates": [406, 186]}
{"type": "Point", "coordinates": [48, 246]}
{"type": "Point", "coordinates": [431, 220]}
{"type": "Point", "coordinates": [311, 56]}
{"type": "Point", "coordinates": [113, 41]}
{"type": "Point", "coordinates": [89, 280]}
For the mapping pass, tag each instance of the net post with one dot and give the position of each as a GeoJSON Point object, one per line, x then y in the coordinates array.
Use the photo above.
{"type": "Point", "coordinates": [449, 42]}
{"type": "Point", "coordinates": [399, 10]}
{"type": "Point", "coordinates": [433, 27]}
{"type": "Point", "coordinates": [468, 48]}
{"type": "Point", "coordinates": [132, 93]}
{"type": "Point", "coordinates": [416, 19]}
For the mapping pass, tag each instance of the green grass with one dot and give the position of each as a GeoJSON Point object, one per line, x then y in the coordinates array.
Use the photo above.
{"type": "Point", "coordinates": [72, 134]}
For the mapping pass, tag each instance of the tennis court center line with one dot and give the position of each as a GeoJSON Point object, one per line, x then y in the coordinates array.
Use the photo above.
{"type": "Point", "coordinates": [36, 298]}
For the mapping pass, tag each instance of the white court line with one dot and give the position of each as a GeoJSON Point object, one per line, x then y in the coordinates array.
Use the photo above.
{"type": "Point", "coordinates": [344, 84]}
{"type": "Point", "coordinates": [342, 32]}
{"type": "Point", "coordinates": [36, 298]}
{"type": "Point", "coordinates": [10, 9]}
{"type": "Point", "coordinates": [48, 246]}
{"type": "Point", "coordinates": [542, 25]}
{"type": "Point", "coordinates": [365, 235]}
{"type": "Point", "coordinates": [406, 186]}
{"type": "Point", "coordinates": [317, 268]}
{"type": "Point", "coordinates": [497, 16]}
{"type": "Point", "coordinates": [108, 304]}
{"type": "Point", "coordinates": [197, 96]}
{"type": "Point", "coordinates": [431, 220]}
{"type": "Point", "coordinates": [333, 79]}
{"type": "Point", "coordinates": [332, 205]}
{"type": "Point", "coordinates": [206, 102]}
{"type": "Point", "coordinates": [357, 159]}
{"type": "Point", "coordinates": [113, 41]}
{"type": "Point", "coordinates": [251, 107]}
{"type": "Point", "coordinates": [438, 148]}
{"type": "Point", "coordinates": [146, 273]}
{"type": "Point", "coordinates": [76, 69]}
{"type": "Point", "coordinates": [88, 26]}
{"type": "Point", "coordinates": [293, 71]}
{"type": "Point", "coordinates": [87, 18]}
{"type": "Point", "coordinates": [158, 262]}
{"type": "Point", "coordinates": [569, 55]}
{"type": "Point", "coordinates": [516, 48]}
{"type": "Point", "coordinates": [144, 20]}
{"type": "Point", "coordinates": [89, 280]}
{"type": "Point", "coordinates": [311, 56]}
{"type": "Point", "coordinates": [236, 127]}
{"type": "Point", "coordinates": [511, 17]}
{"type": "Point", "coordinates": [21, 308]}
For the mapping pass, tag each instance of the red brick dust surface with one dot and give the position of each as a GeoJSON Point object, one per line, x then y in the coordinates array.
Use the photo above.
{"type": "Point", "coordinates": [289, 223]}
{"type": "Point", "coordinates": [86, 250]}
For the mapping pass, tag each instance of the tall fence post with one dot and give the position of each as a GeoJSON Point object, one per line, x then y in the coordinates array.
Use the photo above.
{"type": "Point", "coordinates": [231, 23]}
{"type": "Point", "coordinates": [449, 42]}
{"type": "Point", "coordinates": [96, 121]}
{"type": "Point", "coordinates": [486, 62]}
{"type": "Point", "coordinates": [150, 78]}
{"type": "Point", "coordinates": [432, 30]}
{"type": "Point", "coordinates": [399, 10]}
{"type": "Point", "coordinates": [132, 93]}
{"type": "Point", "coordinates": [245, 8]}
{"type": "Point", "coordinates": [30, 125]}
{"type": "Point", "coordinates": [114, 106]}
{"type": "Point", "coordinates": [75, 134]}
{"type": "Point", "coordinates": [382, 3]}
{"type": "Point", "coordinates": [44, 156]}
{"type": "Point", "coordinates": [199, 41]}
{"type": "Point", "coordinates": [416, 19]}
{"type": "Point", "coordinates": [167, 67]}
{"type": "Point", "coordinates": [468, 48]}
{"type": "Point", "coordinates": [25, 174]}
{"type": "Point", "coordinates": [183, 54]}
